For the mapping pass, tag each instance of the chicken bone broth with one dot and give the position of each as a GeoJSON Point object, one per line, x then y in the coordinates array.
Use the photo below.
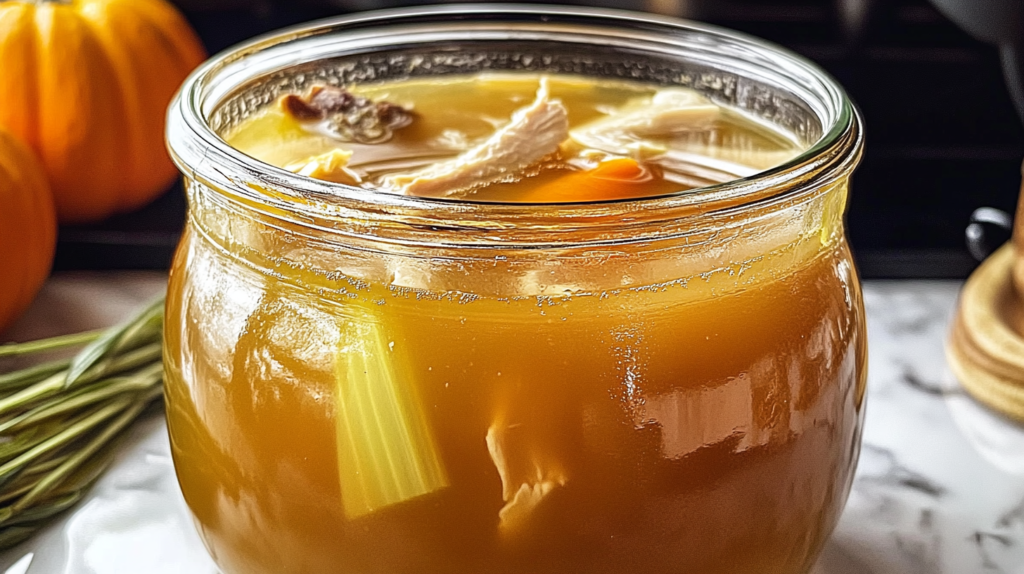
{"type": "Point", "coordinates": [688, 405]}
{"type": "Point", "coordinates": [512, 138]}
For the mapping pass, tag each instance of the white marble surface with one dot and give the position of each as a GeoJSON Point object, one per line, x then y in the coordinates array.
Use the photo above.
{"type": "Point", "coordinates": [940, 483]}
{"type": "Point", "coordinates": [939, 489]}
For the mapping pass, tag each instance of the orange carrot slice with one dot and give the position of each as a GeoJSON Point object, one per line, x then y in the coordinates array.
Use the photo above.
{"type": "Point", "coordinates": [618, 178]}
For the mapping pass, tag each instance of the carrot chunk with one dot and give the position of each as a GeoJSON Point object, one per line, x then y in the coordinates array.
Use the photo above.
{"type": "Point", "coordinates": [619, 178]}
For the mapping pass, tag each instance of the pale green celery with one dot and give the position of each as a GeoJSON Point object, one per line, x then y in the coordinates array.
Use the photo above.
{"type": "Point", "coordinates": [386, 450]}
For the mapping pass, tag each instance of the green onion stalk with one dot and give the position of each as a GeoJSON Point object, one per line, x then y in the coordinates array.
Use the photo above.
{"type": "Point", "coordinates": [59, 419]}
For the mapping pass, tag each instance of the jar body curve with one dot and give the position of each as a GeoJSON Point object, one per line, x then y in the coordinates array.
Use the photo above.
{"type": "Point", "coordinates": [705, 422]}
{"type": "Point", "coordinates": [364, 382]}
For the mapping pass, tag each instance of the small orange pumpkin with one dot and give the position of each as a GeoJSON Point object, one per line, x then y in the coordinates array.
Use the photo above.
{"type": "Point", "coordinates": [28, 227]}
{"type": "Point", "coordinates": [86, 84]}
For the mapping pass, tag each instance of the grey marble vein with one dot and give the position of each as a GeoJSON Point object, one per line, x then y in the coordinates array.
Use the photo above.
{"type": "Point", "coordinates": [940, 482]}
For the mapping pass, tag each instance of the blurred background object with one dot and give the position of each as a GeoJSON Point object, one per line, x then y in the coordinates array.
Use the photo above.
{"type": "Point", "coordinates": [86, 87]}
{"type": "Point", "coordinates": [1000, 22]}
{"type": "Point", "coordinates": [943, 135]}
{"type": "Point", "coordinates": [28, 227]}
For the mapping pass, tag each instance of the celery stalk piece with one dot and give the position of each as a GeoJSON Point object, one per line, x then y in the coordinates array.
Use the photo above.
{"type": "Point", "coordinates": [386, 450]}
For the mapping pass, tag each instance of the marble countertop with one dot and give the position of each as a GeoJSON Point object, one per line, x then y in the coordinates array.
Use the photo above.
{"type": "Point", "coordinates": [939, 488]}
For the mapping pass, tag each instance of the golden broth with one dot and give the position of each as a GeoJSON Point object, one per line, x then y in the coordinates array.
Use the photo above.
{"type": "Point", "coordinates": [656, 408]}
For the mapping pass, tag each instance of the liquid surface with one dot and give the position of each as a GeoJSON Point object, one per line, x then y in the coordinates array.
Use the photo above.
{"type": "Point", "coordinates": [454, 114]}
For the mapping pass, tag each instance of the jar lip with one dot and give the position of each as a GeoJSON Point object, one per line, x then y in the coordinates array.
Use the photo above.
{"type": "Point", "coordinates": [207, 158]}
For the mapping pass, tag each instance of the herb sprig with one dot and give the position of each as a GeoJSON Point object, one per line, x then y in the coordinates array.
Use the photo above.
{"type": "Point", "coordinates": [59, 418]}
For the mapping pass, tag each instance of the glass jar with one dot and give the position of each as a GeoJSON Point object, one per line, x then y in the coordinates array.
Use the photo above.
{"type": "Point", "coordinates": [366, 382]}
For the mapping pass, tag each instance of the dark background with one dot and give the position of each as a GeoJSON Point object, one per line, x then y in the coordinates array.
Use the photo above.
{"type": "Point", "coordinates": [942, 134]}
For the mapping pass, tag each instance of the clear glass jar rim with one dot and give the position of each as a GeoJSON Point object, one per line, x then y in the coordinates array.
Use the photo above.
{"type": "Point", "coordinates": [204, 156]}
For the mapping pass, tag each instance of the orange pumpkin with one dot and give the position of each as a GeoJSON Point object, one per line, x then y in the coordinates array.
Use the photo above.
{"type": "Point", "coordinates": [28, 227]}
{"type": "Point", "coordinates": [86, 84]}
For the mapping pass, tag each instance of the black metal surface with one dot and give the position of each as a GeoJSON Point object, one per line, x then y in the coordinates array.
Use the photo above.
{"type": "Point", "coordinates": [989, 229]}
{"type": "Point", "coordinates": [942, 135]}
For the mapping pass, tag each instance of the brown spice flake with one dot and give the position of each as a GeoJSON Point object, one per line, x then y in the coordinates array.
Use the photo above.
{"type": "Point", "coordinates": [349, 117]}
{"type": "Point", "coordinates": [331, 100]}
{"type": "Point", "coordinates": [299, 108]}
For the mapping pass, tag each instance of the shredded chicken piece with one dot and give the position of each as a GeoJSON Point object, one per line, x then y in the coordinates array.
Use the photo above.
{"type": "Point", "coordinates": [524, 482]}
{"type": "Point", "coordinates": [518, 510]}
{"type": "Point", "coordinates": [669, 111]}
{"type": "Point", "coordinates": [534, 132]}
{"type": "Point", "coordinates": [330, 166]}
